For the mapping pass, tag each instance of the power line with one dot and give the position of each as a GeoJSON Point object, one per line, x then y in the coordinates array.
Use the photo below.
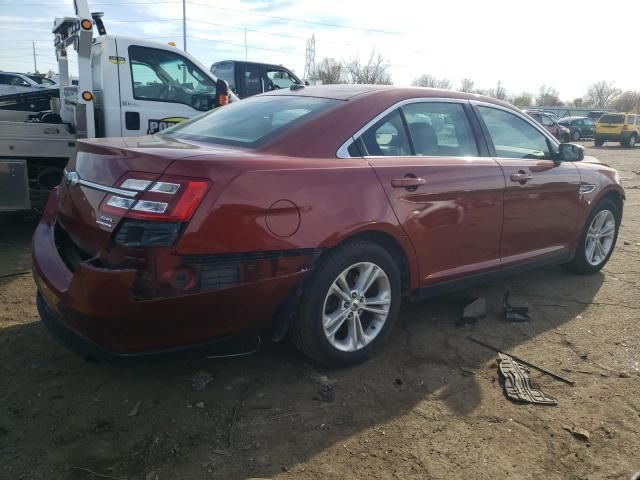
{"type": "Point", "coordinates": [248, 46]}
{"type": "Point", "coordinates": [289, 19]}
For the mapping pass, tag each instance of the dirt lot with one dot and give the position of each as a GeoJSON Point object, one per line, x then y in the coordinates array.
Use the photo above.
{"type": "Point", "coordinates": [429, 406]}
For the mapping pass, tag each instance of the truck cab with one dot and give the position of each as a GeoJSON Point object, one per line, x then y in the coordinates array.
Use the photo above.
{"type": "Point", "coordinates": [251, 78]}
{"type": "Point", "coordinates": [143, 87]}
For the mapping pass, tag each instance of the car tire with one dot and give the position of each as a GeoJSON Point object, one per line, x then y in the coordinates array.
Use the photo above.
{"type": "Point", "coordinates": [588, 259]}
{"type": "Point", "coordinates": [598, 142]}
{"type": "Point", "coordinates": [356, 333]}
{"type": "Point", "coordinates": [631, 142]}
{"type": "Point", "coordinates": [575, 135]}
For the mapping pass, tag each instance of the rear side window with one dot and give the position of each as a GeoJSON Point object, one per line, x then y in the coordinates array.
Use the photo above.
{"type": "Point", "coordinates": [387, 137]}
{"type": "Point", "coordinates": [631, 119]}
{"type": "Point", "coordinates": [547, 122]}
{"type": "Point", "coordinates": [440, 129]}
{"type": "Point", "coordinates": [611, 118]}
{"type": "Point", "coordinates": [514, 137]}
{"type": "Point", "coordinates": [225, 71]}
{"type": "Point", "coordinates": [252, 122]}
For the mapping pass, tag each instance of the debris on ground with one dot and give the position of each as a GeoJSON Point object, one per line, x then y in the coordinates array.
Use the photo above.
{"type": "Point", "coordinates": [468, 372]}
{"type": "Point", "coordinates": [475, 310]}
{"type": "Point", "coordinates": [624, 375]}
{"type": "Point", "coordinates": [514, 314]}
{"type": "Point", "coordinates": [517, 384]}
{"type": "Point", "coordinates": [326, 393]}
{"type": "Point", "coordinates": [200, 380]}
{"type": "Point", "coordinates": [579, 433]}
{"type": "Point", "coordinates": [134, 411]}
{"type": "Point", "coordinates": [523, 362]}
{"type": "Point", "coordinates": [200, 405]}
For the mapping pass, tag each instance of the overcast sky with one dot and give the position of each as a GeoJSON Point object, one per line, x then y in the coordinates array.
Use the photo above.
{"type": "Point", "coordinates": [523, 44]}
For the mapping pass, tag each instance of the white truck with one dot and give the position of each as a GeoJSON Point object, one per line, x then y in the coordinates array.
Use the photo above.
{"type": "Point", "coordinates": [126, 87]}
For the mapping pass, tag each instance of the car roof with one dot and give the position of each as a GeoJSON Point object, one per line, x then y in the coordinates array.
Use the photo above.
{"type": "Point", "coordinates": [576, 118]}
{"type": "Point", "coordinates": [350, 91]}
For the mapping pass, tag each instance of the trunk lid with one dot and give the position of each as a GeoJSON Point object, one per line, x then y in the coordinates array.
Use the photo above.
{"type": "Point", "coordinates": [101, 163]}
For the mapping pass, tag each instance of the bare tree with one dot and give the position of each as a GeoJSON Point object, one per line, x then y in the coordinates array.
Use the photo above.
{"type": "Point", "coordinates": [466, 85]}
{"type": "Point", "coordinates": [628, 101]}
{"type": "Point", "coordinates": [375, 71]}
{"type": "Point", "coordinates": [578, 102]}
{"type": "Point", "coordinates": [524, 100]}
{"type": "Point", "coordinates": [330, 71]}
{"type": "Point", "coordinates": [432, 82]}
{"type": "Point", "coordinates": [602, 93]}
{"type": "Point", "coordinates": [548, 97]}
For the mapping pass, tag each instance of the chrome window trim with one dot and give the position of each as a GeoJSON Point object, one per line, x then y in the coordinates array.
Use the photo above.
{"type": "Point", "coordinates": [343, 150]}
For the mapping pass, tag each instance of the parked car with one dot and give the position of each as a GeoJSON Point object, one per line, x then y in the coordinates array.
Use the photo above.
{"type": "Point", "coordinates": [11, 83]}
{"type": "Point", "coordinates": [251, 78]}
{"type": "Point", "coordinates": [554, 127]}
{"type": "Point", "coordinates": [579, 127]}
{"type": "Point", "coordinates": [246, 218]}
{"type": "Point", "coordinates": [618, 127]}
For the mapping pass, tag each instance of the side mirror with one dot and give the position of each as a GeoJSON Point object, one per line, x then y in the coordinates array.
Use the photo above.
{"type": "Point", "coordinates": [222, 93]}
{"type": "Point", "coordinates": [570, 152]}
{"type": "Point", "coordinates": [306, 82]}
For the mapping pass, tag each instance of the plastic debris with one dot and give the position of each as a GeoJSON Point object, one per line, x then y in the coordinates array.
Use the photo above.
{"type": "Point", "coordinates": [514, 314]}
{"type": "Point", "coordinates": [517, 384]}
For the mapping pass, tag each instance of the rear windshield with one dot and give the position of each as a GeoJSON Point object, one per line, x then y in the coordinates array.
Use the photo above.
{"type": "Point", "coordinates": [611, 118]}
{"type": "Point", "coordinates": [251, 122]}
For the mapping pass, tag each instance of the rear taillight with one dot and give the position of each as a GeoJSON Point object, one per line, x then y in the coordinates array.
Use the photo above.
{"type": "Point", "coordinates": [169, 198]}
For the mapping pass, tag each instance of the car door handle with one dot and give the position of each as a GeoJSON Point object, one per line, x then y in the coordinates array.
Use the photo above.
{"type": "Point", "coordinates": [407, 182]}
{"type": "Point", "coordinates": [521, 177]}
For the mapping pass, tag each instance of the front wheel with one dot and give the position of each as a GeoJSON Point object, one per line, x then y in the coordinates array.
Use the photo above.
{"type": "Point", "coordinates": [598, 238]}
{"type": "Point", "coordinates": [631, 142]}
{"type": "Point", "coordinates": [575, 135]}
{"type": "Point", "coordinates": [349, 305]}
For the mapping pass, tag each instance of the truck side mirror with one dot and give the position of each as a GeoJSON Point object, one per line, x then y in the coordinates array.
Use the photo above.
{"type": "Point", "coordinates": [222, 93]}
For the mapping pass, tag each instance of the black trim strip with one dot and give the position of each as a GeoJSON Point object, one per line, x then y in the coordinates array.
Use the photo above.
{"type": "Point", "coordinates": [226, 258]}
{"type": "Point", "coordinates": [467, 282]}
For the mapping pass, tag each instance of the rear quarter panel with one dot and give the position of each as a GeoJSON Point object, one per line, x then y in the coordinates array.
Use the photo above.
{"type": "Point", "coordinates": [318, 204]}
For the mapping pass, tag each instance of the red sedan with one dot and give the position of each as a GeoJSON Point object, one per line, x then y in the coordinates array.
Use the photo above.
{"type": "Point", "coordinates": [311, 212]}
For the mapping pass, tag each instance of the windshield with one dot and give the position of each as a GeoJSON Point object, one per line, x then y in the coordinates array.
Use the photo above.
{"type": "Point", "coordinates": [251, 122]}
{"type": "Point", "coordinates": [611, 118]}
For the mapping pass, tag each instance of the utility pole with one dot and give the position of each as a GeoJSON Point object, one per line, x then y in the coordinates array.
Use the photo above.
{"type": "Point", "coordinates": [245, 43]}
{"type": "Point", "coordinates": [35, 65]}
{"type": "Point", "coordinates": [184, 25]}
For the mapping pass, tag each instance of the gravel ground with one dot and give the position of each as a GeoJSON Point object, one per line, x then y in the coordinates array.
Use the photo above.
{"type": "Point", "coordinates": [429, 406]}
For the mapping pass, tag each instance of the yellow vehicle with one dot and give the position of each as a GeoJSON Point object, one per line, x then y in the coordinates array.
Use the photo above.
{"type": "Point", "coordinates": [618, 127]}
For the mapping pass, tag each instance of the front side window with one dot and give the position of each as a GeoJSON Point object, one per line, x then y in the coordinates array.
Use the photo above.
{"type": "Point", "coordinates": [440, 129]}
{"type": "Point", "coordinates": [253, 81]}
{"type": "Point", "coordinates": [252, 122]}
{"type": "Point", "coordinates": [513, 137]}
{"type": "Point", "coordinates": [387, 137]}
{"type": "Point", "coordinates": [278, 78]}
{"type": "Point", "coordinates": [16, 81]}
{"type": "Point", "coordinates": [547, 122]}
{"type": "Point", "coordinates": [164, 76]}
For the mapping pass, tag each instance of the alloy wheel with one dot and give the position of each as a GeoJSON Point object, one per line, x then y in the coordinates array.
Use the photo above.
{"type": "Point", "coordinates": [600, 237]}
{"type": "Point", "coordinates": [356, 306]}
{"type": "Point", "coordinates": [632, 141]}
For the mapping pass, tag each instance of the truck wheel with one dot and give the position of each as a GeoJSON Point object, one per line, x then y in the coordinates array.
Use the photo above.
{"type": "Point", "coordinates": [575, 135]}
{"type": "Point", "coordinates": [349, 306]}
{"type": "Point", "coordinates": [598, 142]}
{"type": "Point", "coordinates": [598, 238]}
{"type": "Point", "coordinates": [632, 141]}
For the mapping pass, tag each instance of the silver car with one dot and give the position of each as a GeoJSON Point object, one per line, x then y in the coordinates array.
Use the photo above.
{"type": "Point", "coordinates": [11, 83]}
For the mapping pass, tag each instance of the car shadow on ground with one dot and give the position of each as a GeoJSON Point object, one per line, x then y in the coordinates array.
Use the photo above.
{"type": "Point", "coordinates": [259, 415]}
